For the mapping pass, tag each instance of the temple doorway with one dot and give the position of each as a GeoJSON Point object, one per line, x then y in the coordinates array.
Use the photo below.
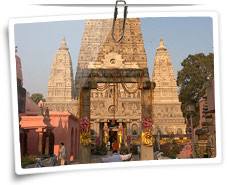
{"type": "Point", "coordinates": [113, 134]}
{"type": "Point", "coordinates": [112, 138]}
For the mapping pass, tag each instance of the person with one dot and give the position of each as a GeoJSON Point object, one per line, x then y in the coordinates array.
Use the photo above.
{"type": "Point", "coordinates": [115, 146]}
{"type": "Point", "coordinates": [62, 154]}
{"type": "Point", "coordinates": [139, 151]}
{"type": "Point", "coordinates": [108, 145]}
{"type": "Point", "coordinates": [53, 160]}
{"type": "Point", "coordinates": [115, 157]}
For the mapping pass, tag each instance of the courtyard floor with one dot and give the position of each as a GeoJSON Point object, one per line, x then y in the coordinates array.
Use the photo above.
{"type": "Point", "coordinates": [94, 159]}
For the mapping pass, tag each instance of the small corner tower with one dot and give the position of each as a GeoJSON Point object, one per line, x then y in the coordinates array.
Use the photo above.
{"type": "Point", "coordinates": [167, 114]}
{"type": "Point", "coordinates": [60, 84]}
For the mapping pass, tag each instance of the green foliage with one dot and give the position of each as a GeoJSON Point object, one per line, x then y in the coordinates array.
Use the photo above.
{"type": "Point", "coordinates": [27, 160]}
{"type": "Point", "coordinates": [124, 150]}
{"type": "Point", "coordinates": [193, 79]}
{"type": "Point", "coordinates": [100, 150]}
{"type": "Point", "coordinates": [134, 149]}
{"type": "Point", "coordinates": [171, 149]}
{"type": "Point", "coordinates": [36, 97]}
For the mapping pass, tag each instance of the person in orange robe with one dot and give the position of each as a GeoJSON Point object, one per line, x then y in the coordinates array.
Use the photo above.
{"type": "Point", "coordinates": [115, 146]}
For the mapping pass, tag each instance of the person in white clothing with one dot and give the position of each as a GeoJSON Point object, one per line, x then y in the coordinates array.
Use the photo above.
{"type": "Point", "coordinates": [62, 154]}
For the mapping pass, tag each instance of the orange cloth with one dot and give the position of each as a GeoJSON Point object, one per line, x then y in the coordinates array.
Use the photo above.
{"type": "Point", "coordinates": [115, 146]}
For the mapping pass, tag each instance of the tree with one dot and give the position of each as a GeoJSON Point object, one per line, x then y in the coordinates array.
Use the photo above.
{"type": "Point", "coordinates": [193, 79]}
{"type": "Point", "coordinates": [36, 97]}
{"type": "Point", "coordinates": [171, 149]}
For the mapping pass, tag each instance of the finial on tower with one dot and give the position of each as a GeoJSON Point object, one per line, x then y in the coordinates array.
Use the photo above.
{"type": "Point", "coordinates": [161, 44]}
{"type": "Point", "coordinates": [63, 44]}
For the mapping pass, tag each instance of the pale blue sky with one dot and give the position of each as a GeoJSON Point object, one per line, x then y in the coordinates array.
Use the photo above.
{"type": "Point", "coordinates": [38, 42]}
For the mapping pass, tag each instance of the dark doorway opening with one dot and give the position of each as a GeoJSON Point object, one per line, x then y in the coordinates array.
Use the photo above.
{"type": "Point", "coordinates": [112, 137]}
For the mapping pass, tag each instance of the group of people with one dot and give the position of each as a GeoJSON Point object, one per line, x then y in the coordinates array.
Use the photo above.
{"type": "Point", "coordinates": [53, 160]}
{"type": "Point", "coordinates": [120, 153]}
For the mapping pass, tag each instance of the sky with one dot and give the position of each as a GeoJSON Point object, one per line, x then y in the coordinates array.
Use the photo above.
{"type": "Point", "coordinates": [38, 42]}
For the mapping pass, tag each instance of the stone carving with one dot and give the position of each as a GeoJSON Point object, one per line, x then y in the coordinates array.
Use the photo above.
{"type": "Point", "coordinates": [60, 84]}
{"type": "Point", "coordinates": [99, 51]}
{"type": "Point", "coordinates": [134, 129]}
{"type": "Point", "coordinates": [166, 106]}
{"type": "Point", "coordinates": [122, 103]}
{"type": "Point", "coordinates": [112, 109]}
{"type": "Point", "coordinates": [106, 133]}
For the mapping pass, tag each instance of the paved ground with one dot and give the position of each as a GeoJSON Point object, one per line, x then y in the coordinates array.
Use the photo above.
{"type": "Point", "coordinates": [94, 159]}
{"type": "Point", "coordinates": [98, 158]}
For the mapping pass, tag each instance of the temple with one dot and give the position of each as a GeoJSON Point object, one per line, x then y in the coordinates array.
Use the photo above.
{"type": "Point", "coordinates": [112, 99]}
{"type": "Point", "coordinates": [60, 84]}
{"type": "Point", "coordinates": [118, 71]}
{"type": "Point", "coordinates": [21, 91]}
{"type": "Point", "coordinates": [42, 130]}
{"type": "Point", "coordinates": [167, 115]}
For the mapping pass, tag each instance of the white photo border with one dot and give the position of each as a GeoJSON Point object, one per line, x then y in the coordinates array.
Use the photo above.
{"type": "Point", "coordinates": [92, 166]}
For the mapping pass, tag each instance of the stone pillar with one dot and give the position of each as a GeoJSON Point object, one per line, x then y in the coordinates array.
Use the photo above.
{"type": "Point", "coordinates": [85, 150]}
{"type": "Point", "coordinates": [128, 128]}
{"type": "Point", "coordinates": [128, 135]}
{"type": "Point", "coordinates": [105, 137]}
{"type": "Point", "coordinates": [40, 141]}
{"type": "Point", "coordinates": [147, 152]}
{"type": "Point", "coordinates": [47, 143]}
{"type": "Point", "coordinates": [97, 127]}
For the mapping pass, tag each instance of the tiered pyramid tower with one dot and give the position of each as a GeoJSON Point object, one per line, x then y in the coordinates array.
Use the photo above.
{"type": "Point", "coordinates": [99, 51]}
{"type": "Point", "coordinates": [97, 45]}
{"type": "Point", "coordinates": [167, 114]}
{"type": "Point", "coordinates": [60, 84]}
{"type": "Point", "coordinates": [117, 74]}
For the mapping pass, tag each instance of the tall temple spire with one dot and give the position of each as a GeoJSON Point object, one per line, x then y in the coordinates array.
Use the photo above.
{"type": "Point", "coordinates": [167, 116]}
{"type": "Point", "coordinates": [60, 84]}
{"type": "Point", "coordinates": [18, 67]}
{"type": "Point", "coordinates": [99, 51]}
{"type": "Point", "coordinates": [161, 44]}
{"type": "Point", "coordinates": [104, 53]}
{"type": "Point", "coordinates": [63, 45]}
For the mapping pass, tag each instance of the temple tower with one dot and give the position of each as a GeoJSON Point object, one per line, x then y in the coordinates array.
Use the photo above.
{"type": "Point", "coordinates": [115, 77]}
{"type": "Point", "coordinates": [60, 84]}
{"type": "Point", "coordinates": [167, 114]}
{"type": "Point", "coordinates": [19, 69]}
{"type": "Point", "coordinates": [98, 48]}
{"type": "Point", "coordinates": [21, 91]}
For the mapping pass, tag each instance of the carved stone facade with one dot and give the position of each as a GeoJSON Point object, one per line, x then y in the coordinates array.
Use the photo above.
{"type": "Point", "coordinates": [98, 50]}
{"type": "Point", "coordinates": [116, 104]}
{"type": "Point", "coordinates": [167, 114]}
{"type": "Point", "coordinates": [113, 86]}
{"type": "Point", "coordinates": [119, 100]}
{"type": "Point", "coordinates": [116, 101]}
{"type": "Point", "coordinates": [60, 84]}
